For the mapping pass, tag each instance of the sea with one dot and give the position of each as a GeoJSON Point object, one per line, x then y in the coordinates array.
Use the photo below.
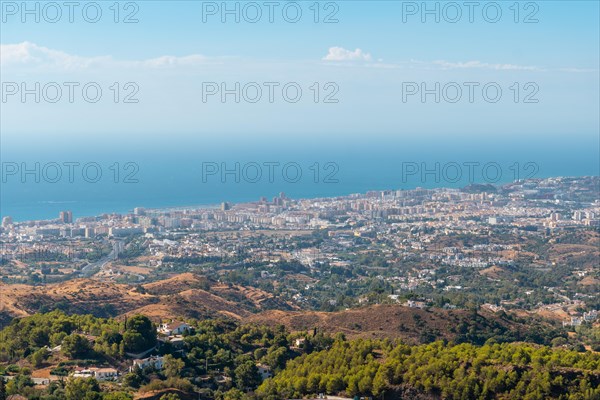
{"type": "Point", "coordinates": [117, 177]}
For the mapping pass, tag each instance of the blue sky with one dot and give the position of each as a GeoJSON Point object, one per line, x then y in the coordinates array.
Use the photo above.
{"type": "Point", "coordinates": [566, 33]}
{"type": "Point", "coordinates": [369, 54]}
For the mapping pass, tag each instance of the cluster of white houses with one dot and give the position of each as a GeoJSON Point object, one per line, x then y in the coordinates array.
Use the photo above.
{"type": "Point", "coordinates": [171, 332]}
{"type": "Point", "coordinates": [587, 317]}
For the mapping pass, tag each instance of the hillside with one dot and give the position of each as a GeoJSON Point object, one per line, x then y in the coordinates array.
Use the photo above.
{"type": "Point", "coordinates": [439, 371]}
{"type": "Point", "coordinates": [77, 296]}
{"type": "Point", "coordinates": [192, 303]}
{"type": "Point", "coordinates": [181, 296]}
{"type": "Point", "coordinates": [411, 324]}
{"type": "Point", "coordinates": [191, 296]}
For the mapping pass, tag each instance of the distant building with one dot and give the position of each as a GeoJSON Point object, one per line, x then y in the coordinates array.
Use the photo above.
{"type": "Point", "coordinates": [156, 362]}
{"type": "Point", "coordinates": [225, 206]}
{"type": "Point", "coordinates": [66, 217]}
{"type": "Point", "coordinates": [575, 321]}
{"type": "Point", "coordinates": [124, 231]}
{"type": "Point", "coordinates": [416, 304]}
{"type": "Point", "coordinates": [493, 307]}
{"type": "Point", "coordinates": [264, 371]}
{"type": "Point", "coordinates": [6, 221]}
{"type": "Point", "coordinates": [139, 211]}
{"type": "Point", "coordinates": [77, 232]}
{"type": "Point", "coordinates": [174, 328]}
{"type": "Point", "coordinates": [145, 222]}
{"type": "Point", "coordinates": [48, 231]}
{"type": "Point", "coordinates": [499, 220]}
{"type": "Point", "coordinates": [590, 316]}
{"type": "Point", "coordinates": [101, 374]}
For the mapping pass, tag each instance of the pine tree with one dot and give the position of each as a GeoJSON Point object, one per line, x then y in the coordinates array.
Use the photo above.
{"type": "Point", "coordinates": [2, 389]}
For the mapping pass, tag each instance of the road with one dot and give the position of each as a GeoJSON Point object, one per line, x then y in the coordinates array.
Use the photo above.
{"type": "Point", "coordinates": [93, 268]}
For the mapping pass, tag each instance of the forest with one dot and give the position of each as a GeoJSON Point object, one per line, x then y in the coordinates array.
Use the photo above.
{"type": "Point", "coordinates": [220, 359]}
{"type": "Point", "coordinates": [464, 371]}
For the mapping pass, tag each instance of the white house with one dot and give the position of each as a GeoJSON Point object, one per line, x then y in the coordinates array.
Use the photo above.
{"type": "Point", "coordinates": [264, 371]}
{"type": "Point", "coordinates": [173, 328]}
{"type": "Point", "coordinates": [83, 373]}
{"type": "Point", "coordinates": [105, 374]}
{"type": "Point", "coordinates": [153, 361]}
{"type": "Point", "coordinates": [590, 316]}
{"type": "Point", "coordinates": [101, 374]}
{"type": "Point", "coordinates": [575, 321]}
{"type": "Point", "coordinates": [415, 304]}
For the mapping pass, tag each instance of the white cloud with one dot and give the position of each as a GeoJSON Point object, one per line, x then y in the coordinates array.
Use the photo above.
{"type": "Point", "coordinates": [30, 54]}
{"type": "Point", "coordinates": [27, 54]}
{"type": "Point", "coordinates": [578, 70]}
{"type": "Point", "coordinates": [170, 61]}
{"type": "Point", "coordinates": [341, 54]}
{"type": "Point", "coordinates": [479, 64]}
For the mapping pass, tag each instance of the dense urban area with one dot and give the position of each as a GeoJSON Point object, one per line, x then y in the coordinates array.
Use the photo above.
{"type": "Point", "coordinates": [482, 292]}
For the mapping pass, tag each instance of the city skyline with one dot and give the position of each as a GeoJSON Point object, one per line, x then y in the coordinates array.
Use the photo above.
{"type": "Point", "coordinates": [65, 216]}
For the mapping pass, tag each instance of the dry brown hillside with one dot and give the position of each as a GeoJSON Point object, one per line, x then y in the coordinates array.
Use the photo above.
{"type": "Point", "coordinates": [191, 296]}
{"type": "Point", "coordinates": [77, 296]}
{"type": "Point", "coordinates": [390, 321]}
{"type": "Point", "coordinates": [177, 283]}
{"type": "Point", "coordinates": [181, 296]}
{"type": "Point", "coordinates": [192, 303]}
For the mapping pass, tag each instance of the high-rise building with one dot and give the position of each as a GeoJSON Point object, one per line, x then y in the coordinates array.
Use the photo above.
{"type": "Point", "coordinates": [225, 206]}
{"type": "Point", "coordinates": [66, 217]}
{"type": "Point", "coordinates": [139, 211]}
{"type": "Point", "coordinates": [145, 222]}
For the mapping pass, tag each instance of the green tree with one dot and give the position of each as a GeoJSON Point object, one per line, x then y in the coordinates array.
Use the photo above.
{"type": "Point", "coordinates": [2, 389]}
{"type": "Point", "coordinates": [233, 394]}
{"type": "Point", "coordinates": [38, 337]}
{"type": "Point", "coordinates": [132, 379]}
{"type": "Point", "coordinates": [140, 334]}
{"type": "Point", "coordinates": [18, 384]}
{"type": "Point", "coordinates": [39, 356]}
{"type": "Point", "coordinates": [117, 396]}
{"type": "Point", "coordinates": [379, 383]}
{"type": "Point", "coordinates": [75, 346]}
{"type": "Point", "coordinates": [82, 389]}
{"type": "Point", "coordinates": [246, 375]}
{"type": "Point", "coordinates": [170, 396]}
{"type": "Point", "coordinates": [173, 366]}
{"type": "Point", "coordinates": [335, 384]}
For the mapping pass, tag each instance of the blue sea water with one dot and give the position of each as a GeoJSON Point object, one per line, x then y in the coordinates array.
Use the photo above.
{"type": "Point", "coordinates": [190, 174]}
